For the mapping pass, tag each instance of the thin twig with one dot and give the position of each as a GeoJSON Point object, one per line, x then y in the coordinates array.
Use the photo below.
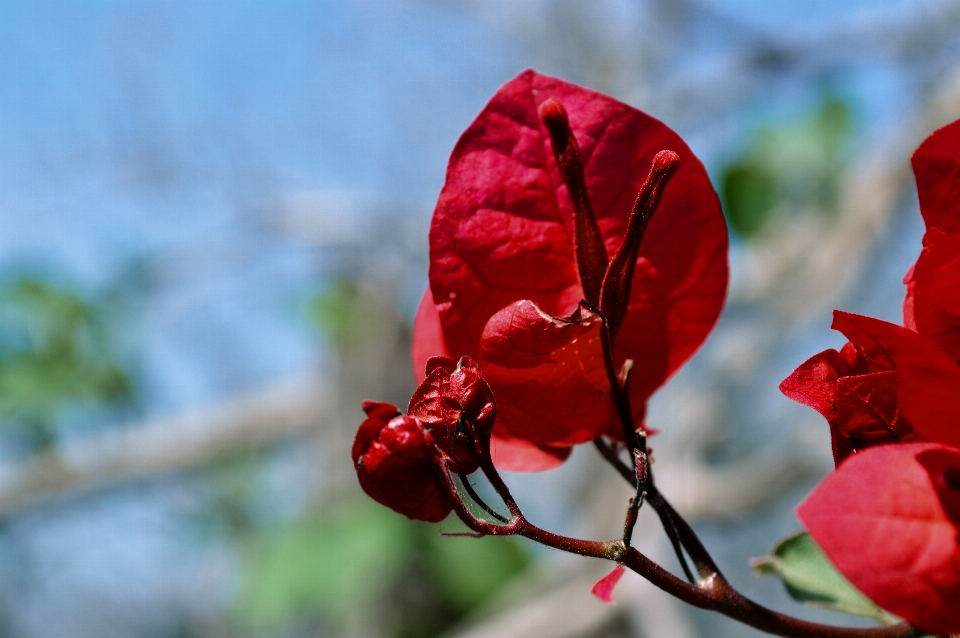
{"type": "Point", "coordinates": [668, 525]}
{"type": "Point", "coordinates": [464, 479]}
{"type": "Point", "coordinates": [640, 461]}
{"type": "Point", "coordinates": [713, 593]}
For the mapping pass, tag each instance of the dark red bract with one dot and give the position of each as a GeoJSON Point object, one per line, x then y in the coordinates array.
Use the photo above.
{"type": "Point", "coordinates": [451, 393]}
{"type": "Point", "coordinates": [502, 233]}
{"type": "Point", "coordinates": [395, 465]}
{"type": "Point", "coordinates": [855, 388]}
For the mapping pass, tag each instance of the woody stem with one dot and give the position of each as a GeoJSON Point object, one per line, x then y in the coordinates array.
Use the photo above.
{"type": "Point", "coordinates": [712, 592]}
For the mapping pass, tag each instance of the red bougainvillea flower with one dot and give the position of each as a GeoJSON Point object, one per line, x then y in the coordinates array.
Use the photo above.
{"type": "Point", "coordinates": [511, 258]}
{"type": "Point", "coordinates": [889, 517]}
{"type": "Point", "coordinates": [855, 388]}
{"type": "Point", "coordinates": [394, 460]}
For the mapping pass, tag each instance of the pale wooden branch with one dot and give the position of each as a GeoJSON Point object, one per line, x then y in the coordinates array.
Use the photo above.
{"type": "Point", "coordinates": [288, 408]}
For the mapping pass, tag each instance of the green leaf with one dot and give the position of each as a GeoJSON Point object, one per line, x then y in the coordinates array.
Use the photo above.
{"type": "Point", "coordinates": [344, 312]}
{"type": "Point", "coordinates": [811, 578]}
{"type": "Point", "coordinates": [56, 350]}
{"type": "Point", "coordinates": [322, 567]}
{"type": "Point", "coordinates": [468, 571]}
{"type": "Point", "coordinates": [749, 191]}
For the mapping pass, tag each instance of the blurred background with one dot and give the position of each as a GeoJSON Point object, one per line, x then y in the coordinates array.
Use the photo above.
{"type": "Point", "coordinates": [213, 235]}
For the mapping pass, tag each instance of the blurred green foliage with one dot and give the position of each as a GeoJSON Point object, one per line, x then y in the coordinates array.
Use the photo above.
{"type": "Point", "coordinates": [362, 565]}
{"type": "Point", "coordinates": [55, 350]}
{"type": "Point", "coordinates": [342, 313]}
{"type": "Point", "coordinates": [794, 167]}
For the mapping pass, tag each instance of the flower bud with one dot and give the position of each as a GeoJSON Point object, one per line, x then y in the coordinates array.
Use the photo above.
{"type": "Point", "coordinates": [457, 407]}
{"type": "Point", "coordinates": [617, 282]}
{"type": "Point", "coordinates": [589, 247]}
{"type": "Point", "coordinates": [395, 465]}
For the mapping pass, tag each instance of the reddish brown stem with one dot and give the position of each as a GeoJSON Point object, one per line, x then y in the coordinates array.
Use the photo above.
{"type": "Point", "coordinates": [633, 511]}
{"type": "Point", "coordinates": [610, 454]}
{"type": "Point", "coordinates": [712, 592]}
{"type": "Point", "coordinates": [717, 595]}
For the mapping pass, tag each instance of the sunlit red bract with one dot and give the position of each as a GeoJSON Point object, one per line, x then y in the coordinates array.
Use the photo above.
{"type": "Point", "coordinates": [933, 303]}
{"type": "Point", "coordinates": [889, 517]}
{"type": "Point", "coordinates": [855, 388]}
{"type": "Point", "coordinates": [502, 234]}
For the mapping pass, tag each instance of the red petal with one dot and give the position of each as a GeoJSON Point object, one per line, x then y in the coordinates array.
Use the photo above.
{"type": "Point", "coordinates": [888, 518]}
{"type": "Point", "coordinates": [427, 336]}
{"type": "Point", "coordinates": [603, 588]}
{"type": "Point", "coordinates": [936, 291]}
{"type": "Point", "coordinates": [936, 165]}
{"type": "Point", "coordinates": [503, 226]}
{"type": "Point", "coordinates": [517, 455]}
{"type": "Point", "coordinates": [929, 389]}
{"type": "Point", "coordinates": [548, 375]}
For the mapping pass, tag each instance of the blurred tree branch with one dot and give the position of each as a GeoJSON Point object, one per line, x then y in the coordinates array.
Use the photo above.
{"type": "Point", "coordinates": [290, 408]}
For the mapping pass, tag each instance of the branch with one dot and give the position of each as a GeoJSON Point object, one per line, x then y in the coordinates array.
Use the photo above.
{"type": "Point", "coordinates": [711, 591]}
{"type": "Point", "coordinates": [181, 442]}
{"type": "Point", "coordinates": [717, 595]}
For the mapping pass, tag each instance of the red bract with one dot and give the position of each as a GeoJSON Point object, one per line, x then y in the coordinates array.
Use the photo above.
{"type": "Point", "coordinates": [504, 231]}
{"type": "Point", "coordinates": [936, 165]}
{"type": "Point", "coordinates": [547, 368]}
{"type": "Point", "coordinates": [933, 301]}
{"type": "Point", "coordinates": [889, 517]}
{"type": "Point", "coordinates": [855, 389]}
{"type": "Point", "coordinates": [451, 393]}
{"type": "Point", "coordinates": [394, 460]}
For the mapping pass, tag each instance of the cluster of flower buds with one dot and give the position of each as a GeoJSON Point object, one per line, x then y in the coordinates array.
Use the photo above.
{"type": "Point", "coordinates": [396, 457]}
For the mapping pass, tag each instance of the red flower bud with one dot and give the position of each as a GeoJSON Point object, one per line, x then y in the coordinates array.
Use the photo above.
{"type": "Point", "coordinates": [618, 280]}
{"type": "Point", "coordinates": [394, 460]}
{"type": "Point", "coordinates": [455, 404]}
{"type": "Point", "coordinates": [589, 249]}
